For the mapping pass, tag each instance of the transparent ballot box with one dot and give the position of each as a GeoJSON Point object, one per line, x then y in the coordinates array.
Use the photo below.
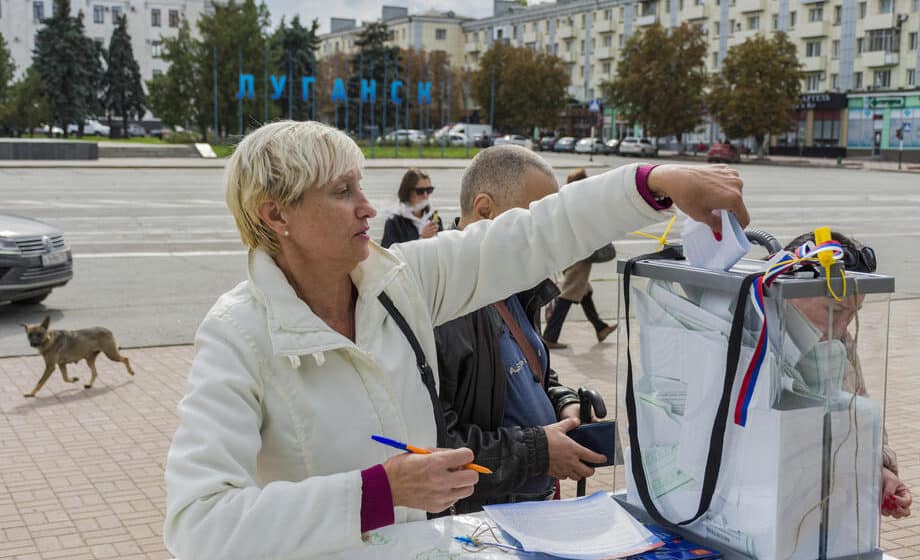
{"type": "Point", "coordinates": [784, 459]}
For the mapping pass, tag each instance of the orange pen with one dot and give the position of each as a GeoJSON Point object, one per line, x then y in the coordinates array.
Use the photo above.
{"type": "Point", "coordinates": [423, 451]}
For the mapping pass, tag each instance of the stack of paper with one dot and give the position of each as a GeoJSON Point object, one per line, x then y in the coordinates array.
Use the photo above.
{"type": "Point", "coordinates": [588, 528]}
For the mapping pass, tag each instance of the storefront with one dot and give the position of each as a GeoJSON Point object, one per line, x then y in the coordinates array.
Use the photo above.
{"type": "Point", "coordinates": [820, 127]}
{"type": "Point", "coordinates": [874, 122]}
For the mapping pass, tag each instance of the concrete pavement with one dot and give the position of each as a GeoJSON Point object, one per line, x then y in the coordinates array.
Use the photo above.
{"type": "Point", "coordinates": [82, 470]}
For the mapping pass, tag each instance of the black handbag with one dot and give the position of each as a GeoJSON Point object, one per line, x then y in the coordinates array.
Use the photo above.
{"type": "Point", "coordinates": [605, 254]}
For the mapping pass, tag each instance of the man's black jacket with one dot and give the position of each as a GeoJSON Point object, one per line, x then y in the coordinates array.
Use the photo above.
{"type": "Point", "coordinates": [473, 389]}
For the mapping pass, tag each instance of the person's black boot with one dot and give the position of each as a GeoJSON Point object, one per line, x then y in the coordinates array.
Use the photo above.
{"type": "Point", "coordinates": [602, 329]}
{"type": "Point", "coordinates": [554, 323]}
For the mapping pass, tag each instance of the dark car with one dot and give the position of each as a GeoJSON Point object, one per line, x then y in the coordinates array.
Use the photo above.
{"type": "Point", "coordinates": [613, 146]}
{"type": "Point", "coordinates": [564, 144]}
{"type": "Point", "coordinates": [722, 153]}
{"type": "Point", "coordinates": [33, 259]}
{"type": "Point", "coordinates": [546, 143]}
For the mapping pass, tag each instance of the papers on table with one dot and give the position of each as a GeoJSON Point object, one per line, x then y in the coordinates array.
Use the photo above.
{"type": "Point", "coordinates": [588, 528]}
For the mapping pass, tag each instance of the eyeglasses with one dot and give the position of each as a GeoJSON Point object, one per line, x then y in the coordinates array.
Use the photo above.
{"type": "Point", "coordinates": [423, 190]}
{"type": "Point", "coordinates": [859, 260]}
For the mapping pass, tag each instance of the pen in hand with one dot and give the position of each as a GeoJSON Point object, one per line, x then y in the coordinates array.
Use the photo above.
{"type": "Point", "coordinates": [422, 451]}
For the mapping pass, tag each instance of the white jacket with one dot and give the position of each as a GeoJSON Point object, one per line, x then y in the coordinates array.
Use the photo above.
{"type": "Point", "coordinates": [275, 426]}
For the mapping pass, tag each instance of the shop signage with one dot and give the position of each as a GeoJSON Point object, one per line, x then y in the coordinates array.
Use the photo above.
{"type": "Point", "coordinates": [881, 102]}
{"type": "Point", "coordinates": [821, 101]}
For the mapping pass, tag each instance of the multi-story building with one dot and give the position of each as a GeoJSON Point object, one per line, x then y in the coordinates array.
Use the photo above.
{"type": "Point", "coordinates": [148, 22]}
{"type": "Point", "coordinates": [432, 31]}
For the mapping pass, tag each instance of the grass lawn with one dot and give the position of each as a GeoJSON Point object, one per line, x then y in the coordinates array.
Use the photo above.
{"type": "Point", "coordinates": [412, 152]}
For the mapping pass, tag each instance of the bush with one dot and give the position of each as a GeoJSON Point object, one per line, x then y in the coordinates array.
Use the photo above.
{"type": "Point", "coordinates": [184, 137]}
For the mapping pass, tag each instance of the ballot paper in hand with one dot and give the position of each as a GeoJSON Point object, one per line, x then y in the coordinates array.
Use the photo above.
{"type": "Point", "coordinates": [587, 528]}
{"type": "Point", "coordinates": [702, 249]}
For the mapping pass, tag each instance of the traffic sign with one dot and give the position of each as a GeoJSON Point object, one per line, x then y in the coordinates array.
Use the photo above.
{"type": "Point", "coordinates": [905, 126]}
{"type": "Point", "coordinates": [595, 106]}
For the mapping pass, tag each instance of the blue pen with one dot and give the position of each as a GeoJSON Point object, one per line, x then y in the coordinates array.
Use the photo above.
{"type": "Point", "coordinates": [423, 451]}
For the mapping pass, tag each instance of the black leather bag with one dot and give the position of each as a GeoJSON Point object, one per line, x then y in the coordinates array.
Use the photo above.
{"type": "Point", "coordinates": [605, 254]}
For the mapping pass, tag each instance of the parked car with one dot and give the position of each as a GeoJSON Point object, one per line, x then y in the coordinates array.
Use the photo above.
{"type": "Point", "coordinates": [404, 136]}
{"type": "Point", "coordinates": [546, 143]}
{"type": "Point", "coordinates": [722, 153]}
{"type": "Point", "coordinates": [591, 145]}
{"type": "Point", "coordinates": [161, 131]}
{"type": "Point", "coordinates": [33, 259]}
{"type": "Point", "coordinates": [564, 144]}
{"type": "Point", "coordinates": [515, 139]}
{"type": "Point", "coordinates": [638, 147]}
{"type": "Point", "coordinates": [613, 146]}
{"type": "Point", "coordinates": [135, 131]}
{"type": "Point", "coordinates": [56, 131]}
{"type": "Point", "coordinates": [91, 127]}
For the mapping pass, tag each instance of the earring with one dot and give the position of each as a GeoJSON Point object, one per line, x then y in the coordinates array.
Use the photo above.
{"type": "Point", "coordinates": [286, 233]}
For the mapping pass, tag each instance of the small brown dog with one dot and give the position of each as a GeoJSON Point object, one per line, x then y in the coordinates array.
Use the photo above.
{"type": "Point", "coordinates": [60, 348]}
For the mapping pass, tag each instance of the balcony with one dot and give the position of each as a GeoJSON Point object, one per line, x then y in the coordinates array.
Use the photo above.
{"type": "Point", "coordinates": [604, 53]}
{"type": "Point", "coordinates": [814, 29]}
{"type": "Point", "coordinates": [564, 31]}
{"type": "Point", "coordinates": [603, 26]}
{"type": "Point", "coordinates": [529, 37]}
{"type": "Point", "coordinates": [645, 21]}
{"type": "Point", "coordinates": [471, 48]}
{"type": "Point", "coordinates": [878, 21]}
{"type": "Point", "coordinates": [695, 11]}
{"type": "Point", "coordinates": [877, 59]}
{"type": "Point", "coordinates": [814, 64]}
{"type": "Point", "coordinates": [744, 6]}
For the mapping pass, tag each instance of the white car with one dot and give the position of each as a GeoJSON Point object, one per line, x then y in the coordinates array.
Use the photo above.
{"type": "Point", "coordinates": [56, 131]}
{"type": "Point", "coordinates": [91, 127]}
{"type": "Point", "coordinates": [404, 135]}
{"type": "Point", "coordinates": [515, 139]}
{"type": "Point", "coordinates": [638, 147]}
{"type": "Point", "coordinates": [591, 145]}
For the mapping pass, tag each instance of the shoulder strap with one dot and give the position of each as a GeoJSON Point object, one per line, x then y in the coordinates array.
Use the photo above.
{"type": "Point", "coordinates": [424, 368]}
{"type": "Point", "coordinates": [530, 354]}
{"type": "Point", "coordinates": [717, 436]}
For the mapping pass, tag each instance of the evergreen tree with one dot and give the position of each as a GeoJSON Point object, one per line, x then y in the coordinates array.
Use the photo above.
{"type": "Point", "coordinates": [183, 95]}
{"type": "Point", "coordinates": [70, 65]}
{"type": "Point", "coordinates": [762, 73]}
{"type": "Point", "coordinates": [660, 79]}
{"type": "Point", "coordinates": [124, 94]}
{"type": "Point", "coordinates": [301, 45]}
{"type": "Point", "coordinates": [7, 70]}
{"type": "Point", "coordinates": [27, 105]}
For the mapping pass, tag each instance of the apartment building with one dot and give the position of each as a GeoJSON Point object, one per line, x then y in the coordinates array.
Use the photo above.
{"type": "Point", "coordinates": [426, 31]}
{"type": "Point", "coordinates": [148, 22]}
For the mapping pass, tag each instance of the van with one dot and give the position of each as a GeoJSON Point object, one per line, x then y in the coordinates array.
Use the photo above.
{"type": "Point", "coordinates": [470, 131]}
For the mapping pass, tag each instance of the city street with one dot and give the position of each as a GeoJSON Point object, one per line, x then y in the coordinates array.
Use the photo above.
{"type": "Point", "coordinates": [153, 248]}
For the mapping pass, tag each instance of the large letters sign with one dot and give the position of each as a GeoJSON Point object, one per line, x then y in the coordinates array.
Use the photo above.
{"type": "Point", "coordinates": [339, 91]}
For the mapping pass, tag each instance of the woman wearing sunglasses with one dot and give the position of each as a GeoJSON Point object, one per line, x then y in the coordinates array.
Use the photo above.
{"type": "Point", "coordinates": [413, 218]}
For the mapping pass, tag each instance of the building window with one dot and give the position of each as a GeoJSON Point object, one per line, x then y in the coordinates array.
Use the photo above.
{"type": "Point", "coordinates": [157, 72]}
{"type": "Point", "coordinates": [606, 68]}
{"type": "Point", "coordinates": [825, 128]}
{"type": "Point", "coordinates": [608, 13]}
{"type": "Point", "coordinates": [860, 45]}
{"type": "Point", "coordinates": [581, 71]}
{"type": "Point", "coordinates": [835, 82]}
{"type": "Point", "coordinates": [715, 59]}
{"type": "Point", "coordinates": [812, 48]}
{"type": "Point", "coordinates": [885, 6]}
{"type": "Point", "coordinates": [174, 18]}
{"type": "Point", "coordinates": [753, 22]}
{"type": "Point", "coordinates": [813, 81]}
{"type": "Point", "coordinates": [882, 79]}
{"type": "Point", "coordinates": [731, 26]}
{"type": "Point", "coordinates": [835, 49]}
{"type": "Point", "coordinates": [837, 11]}
{"type": "Point", "coordinates": [912, 41]}
{"type": "Point", "coordinates": [911, 77]}
{"type": "Point", "coordinates": [440, 34]}
{"type": "Point", "coordinates": [857, 80]}
{"type": "Point", "coordinates": [887, 40]}
{"type": "Point", "coordinates": [584, 20]}
{"type": "Point", "coordinates": [608, 40]}
{"type": "Point", "coordinates": [155, 17]}
{"type": "Point", "coordinates": [38, 11]}
{"type": "Point", "coordinates": [620, 41]}
{"type": "Point", "coordinates": [116, 14]}
{"type": "Point", "coordinates": [792, 19]}
{"type": "Point", "coordinates": [98, 14]}
{"type": "Point", "coordinates": [862, 10]}
{"type": "Point", "coordinates": [715, 27]}
{"type": "Point", "coordinates": [816, 14]}
{"type": "Point", "coordinates": [156, 49]}
{"type": "Point", "coordinates": [775, 22]}
{"type": "Point", "coordinates": [582, 51]}
{"type": "Point", "coordinates": [915, 6]}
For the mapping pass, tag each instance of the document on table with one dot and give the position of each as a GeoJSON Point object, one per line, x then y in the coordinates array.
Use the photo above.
{"type": "Point", "coordinates": [587, 528]}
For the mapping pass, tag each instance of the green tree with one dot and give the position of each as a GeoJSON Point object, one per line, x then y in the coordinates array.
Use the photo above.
{"type": "Point", "coordinates": [530, 87]}
{"type": "Point", "coordinates": [27, 105]}
{"type": "Point", "coordinates": [236, 31]}
{"type": "Point", "coordinates": [300, 44]}
{"type": "Point", "coordinates": [660, 79]}
{"type": "Point", "coordinates": [123, 92]}
{"type": "Point", "coordinates": [70, 64]}
{"type": "Point", "coordinates": [7, 70]}
{"type": "Point", "coordinates": [758, 88]}
{"type": "Point", "coordinates": [183, 95]}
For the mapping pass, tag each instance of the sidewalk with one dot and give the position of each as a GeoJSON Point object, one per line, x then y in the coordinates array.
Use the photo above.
{"type": "Point", "coordinates": [81, 471]}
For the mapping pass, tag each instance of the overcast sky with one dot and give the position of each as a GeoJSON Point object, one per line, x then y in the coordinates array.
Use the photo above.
{"type": "Point", "coordinates": [369, 10]}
